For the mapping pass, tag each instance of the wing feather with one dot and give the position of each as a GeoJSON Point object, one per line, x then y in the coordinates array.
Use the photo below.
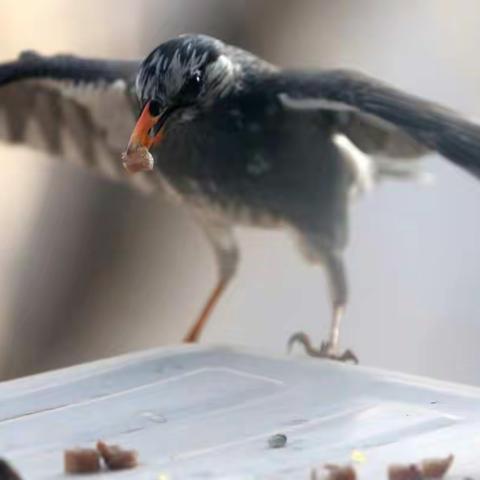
{"type": "Point", "coordinates": [76, 110]}
{"type": "Point", "coordinates": [382, 120]}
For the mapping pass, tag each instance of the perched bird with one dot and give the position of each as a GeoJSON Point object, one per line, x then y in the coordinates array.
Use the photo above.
{"type": "Point", "coordinates": [237, 140]}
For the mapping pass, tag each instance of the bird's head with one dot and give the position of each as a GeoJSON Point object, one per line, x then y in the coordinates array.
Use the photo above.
{"type": "Point", "coordinates": [177, 80]}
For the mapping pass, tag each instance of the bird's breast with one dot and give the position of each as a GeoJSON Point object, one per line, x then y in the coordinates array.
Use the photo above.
{"type": "Point", "coordinates": [252, 166]}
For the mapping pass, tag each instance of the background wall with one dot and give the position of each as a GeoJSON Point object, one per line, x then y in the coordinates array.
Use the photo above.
{"type": "Point", "coordinates": [88, 269]}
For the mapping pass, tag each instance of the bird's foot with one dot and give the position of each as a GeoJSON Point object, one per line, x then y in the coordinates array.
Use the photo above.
{"type": "Point", "coordinates": [326, 350]}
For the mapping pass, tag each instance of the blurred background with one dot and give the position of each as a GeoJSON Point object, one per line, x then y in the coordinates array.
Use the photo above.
{"type": "Point", "coordinates": [89, 269]}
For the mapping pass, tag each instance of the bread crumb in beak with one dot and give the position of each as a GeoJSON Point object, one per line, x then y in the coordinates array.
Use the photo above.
{"type": "Point", "coordinates": [138, 160]}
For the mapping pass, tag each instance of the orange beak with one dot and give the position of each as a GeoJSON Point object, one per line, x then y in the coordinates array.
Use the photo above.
{"type": "Point", "coordinates": [137, 157]}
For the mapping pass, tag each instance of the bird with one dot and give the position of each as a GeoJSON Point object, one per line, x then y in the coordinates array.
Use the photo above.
{"type": "Point", "coordinates": [238, 141]}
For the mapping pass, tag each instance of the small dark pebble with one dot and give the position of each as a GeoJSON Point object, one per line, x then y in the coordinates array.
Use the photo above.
{"type": "Point", "coordinates": [279, 440]}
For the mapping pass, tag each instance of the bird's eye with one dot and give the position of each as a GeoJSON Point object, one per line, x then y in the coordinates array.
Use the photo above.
{"type": "Point", "coordinates": [154, 108]}
{"type": "Point", "coordinates": [192, 86]}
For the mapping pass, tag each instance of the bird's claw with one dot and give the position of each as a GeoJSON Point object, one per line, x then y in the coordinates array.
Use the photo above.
{"type": "Point", "coordinates": [326, 349]}
{"type": "Point", "coordinates": [347, 356]}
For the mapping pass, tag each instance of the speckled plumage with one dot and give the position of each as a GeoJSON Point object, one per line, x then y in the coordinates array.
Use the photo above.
{"type": "Point", "coordinates": [248, 143]}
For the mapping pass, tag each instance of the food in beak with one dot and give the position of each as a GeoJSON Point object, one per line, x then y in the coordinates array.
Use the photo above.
{"type": "Point", "coordinates": [137, 159]}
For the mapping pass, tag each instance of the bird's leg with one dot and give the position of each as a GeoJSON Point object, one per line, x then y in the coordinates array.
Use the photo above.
{"type": "Point", "coordinates": [195, 331]}
{"type": "Point", "coordinates": [337, 282]}
{"type": "Point", "coordinates": [226, 253]}
{"type": "Point", "coordinates": [332, 344]}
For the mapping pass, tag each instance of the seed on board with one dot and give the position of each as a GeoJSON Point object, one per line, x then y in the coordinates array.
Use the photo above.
{"type": "Point", "coordinates": [117, 458]}
{"type": "Point", "coordinates": [81, 460]}
{"type": "Point", "coordinates": [279, 440]}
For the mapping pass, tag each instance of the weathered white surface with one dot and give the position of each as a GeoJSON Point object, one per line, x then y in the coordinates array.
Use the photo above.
{"type": "Point", "coordinates": [207, 413]}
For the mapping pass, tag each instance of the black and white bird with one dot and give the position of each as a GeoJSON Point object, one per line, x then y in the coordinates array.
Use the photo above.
{"type": "Point", "coordinates": [235, 139]}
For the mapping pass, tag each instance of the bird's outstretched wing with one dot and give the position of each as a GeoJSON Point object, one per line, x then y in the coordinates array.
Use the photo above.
{"type": "Point", "coordinates": [380, 119]}
{"type": "Point", "coordinates": [77, 110]}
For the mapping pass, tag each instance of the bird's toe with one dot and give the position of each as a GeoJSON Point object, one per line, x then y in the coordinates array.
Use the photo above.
{"type": "Point", "coordinates": [326, 350]}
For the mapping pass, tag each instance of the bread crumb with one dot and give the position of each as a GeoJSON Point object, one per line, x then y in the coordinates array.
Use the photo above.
{"type": "Point", "coordinates": [81, 460]}
{"type": "Point", "coordinates": [340, 473]}
{"type": "Point", "coordinates": [116, 458]}
{"type": "Point", "coordinates": [428, 469]}
{"type": "Point", "coordinates": [138, 160]}
{"type": "Point", "coordinates": [404, 472]}
{"type": "Point", "coordinates": [436, 467]}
